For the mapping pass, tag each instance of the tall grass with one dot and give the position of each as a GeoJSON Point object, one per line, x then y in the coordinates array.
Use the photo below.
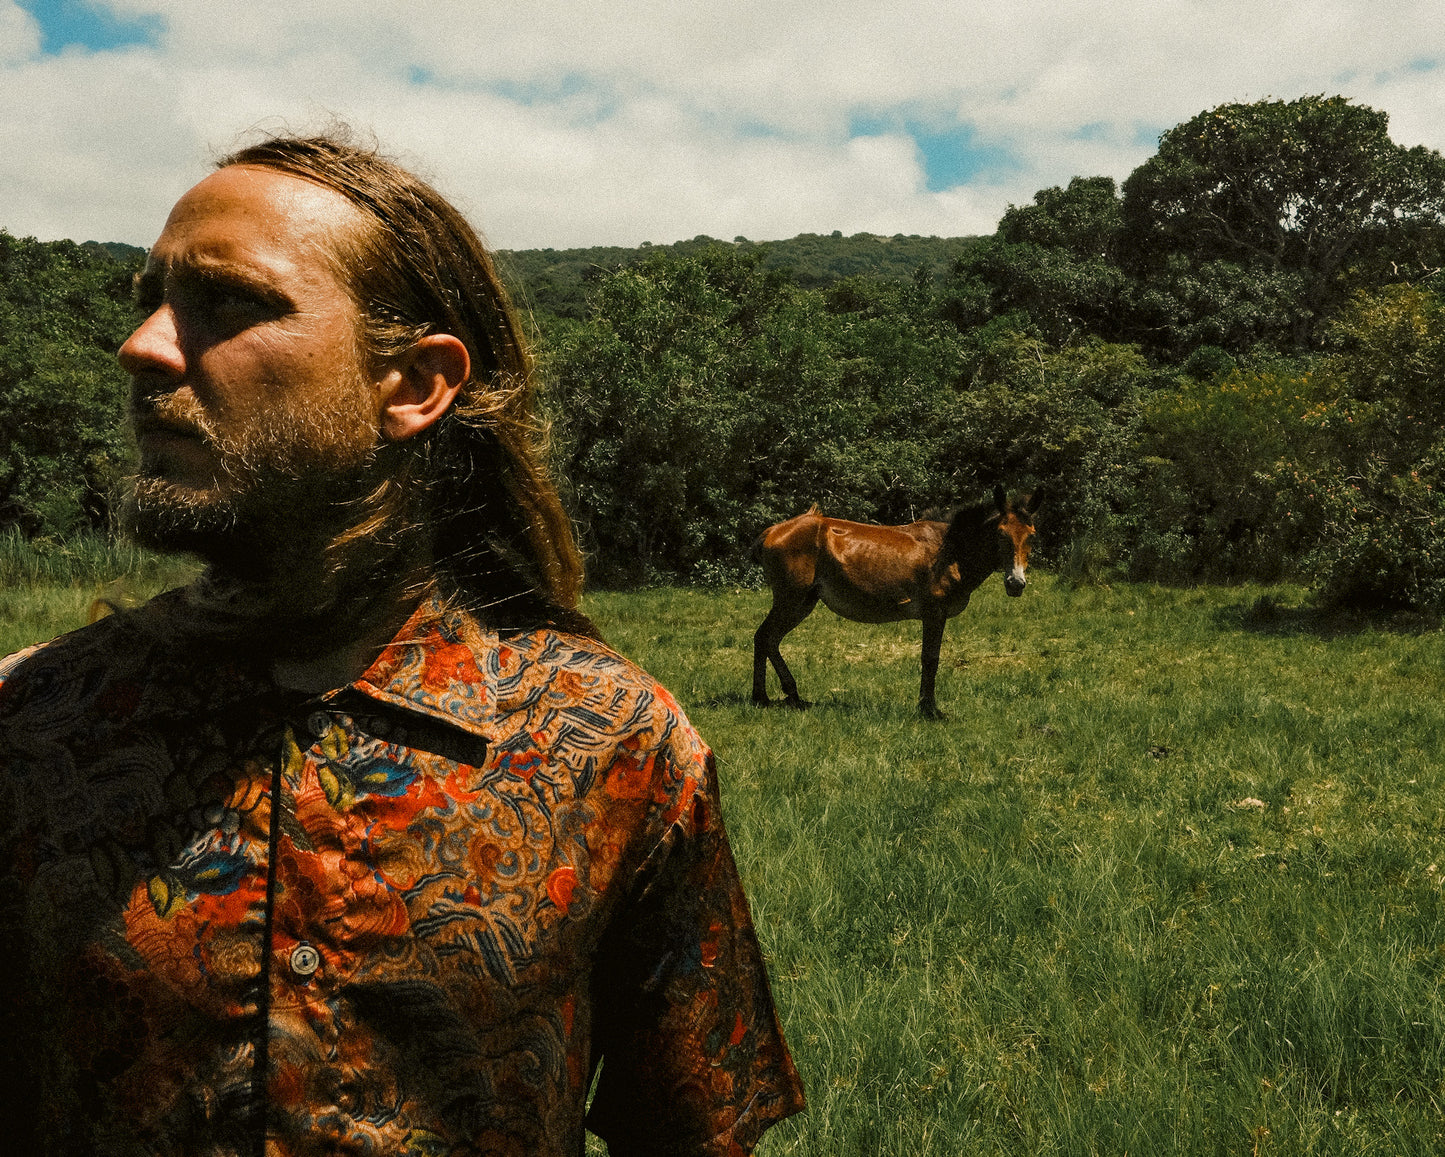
{"type": "Point", "coordinates": [1167, 881]}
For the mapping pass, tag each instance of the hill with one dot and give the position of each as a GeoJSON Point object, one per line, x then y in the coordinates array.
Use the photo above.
{"type": "Point", "coordinates": [553, 281]}
{"type": "Point", "coordinates": [116, 251]}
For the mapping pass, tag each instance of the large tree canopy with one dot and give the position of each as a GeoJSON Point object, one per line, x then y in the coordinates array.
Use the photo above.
{"type": "Point", "coordinates": [1083, 218]}
{"type": "Point", "coordinates": [1053, 263]}
{"type": "Point", "coordinates": [1307, 199]}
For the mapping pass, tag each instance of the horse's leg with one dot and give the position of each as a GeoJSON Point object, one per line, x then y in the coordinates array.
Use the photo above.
{"type": "Point", "coordinates": [781, 619]}
{"type": "Point", "coordinates": [785, 677]}
{"type": "Point", "coordinates": [761, 646]}
{"type": "Point", "coordinates": [932, 643]}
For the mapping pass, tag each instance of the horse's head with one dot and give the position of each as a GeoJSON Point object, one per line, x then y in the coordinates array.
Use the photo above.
{"type": "Point", "coordinates": [1016, 529]}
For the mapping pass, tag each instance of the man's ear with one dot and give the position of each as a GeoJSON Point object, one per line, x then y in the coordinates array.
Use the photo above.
{"type": "Point", "coordinates": [420, 386]}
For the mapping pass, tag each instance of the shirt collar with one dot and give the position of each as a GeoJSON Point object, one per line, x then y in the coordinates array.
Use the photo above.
{"type": "Point", "coordinates": [442, 663]}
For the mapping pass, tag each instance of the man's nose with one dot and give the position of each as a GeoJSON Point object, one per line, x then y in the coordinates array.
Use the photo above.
{"type": "Point", "coordinates": [154, 348]}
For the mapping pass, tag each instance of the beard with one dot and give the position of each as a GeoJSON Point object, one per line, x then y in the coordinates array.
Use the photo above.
{"type": "Point", "coordinates": [277, 483]}
{"type": "Point", "coordinates": [305, 517]}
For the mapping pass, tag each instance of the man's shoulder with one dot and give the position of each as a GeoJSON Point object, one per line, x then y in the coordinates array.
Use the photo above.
{"type": "Point", "coordinates": [61, 674]}
{"type": "Point", "coordinates": [90, 642]}
{"type": "Point", "coordinates": [584, 679]}
{"type": "Point", "coordinates": [549, 648]}
{"type": "Point", "coordinates": [10, 662]}
{"type": "Point", "coordinates": [577, 660]}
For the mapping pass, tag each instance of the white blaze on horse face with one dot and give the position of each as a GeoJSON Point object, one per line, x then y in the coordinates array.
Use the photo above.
{"type": "Point", "coordinates": [1017, 533]}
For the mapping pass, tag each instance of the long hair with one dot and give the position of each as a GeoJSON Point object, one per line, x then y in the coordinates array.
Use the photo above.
{"type": "Point", "coordinates": [477, 478]}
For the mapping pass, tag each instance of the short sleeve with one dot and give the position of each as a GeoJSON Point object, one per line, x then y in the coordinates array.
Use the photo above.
{"type": "Point", "coordinates": [693, 1057]}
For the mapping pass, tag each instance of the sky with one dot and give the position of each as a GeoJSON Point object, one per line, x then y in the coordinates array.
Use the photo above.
{"type": "Point", "coordinates": [568, 123]}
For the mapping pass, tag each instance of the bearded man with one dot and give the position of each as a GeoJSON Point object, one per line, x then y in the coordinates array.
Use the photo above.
{"type": "Point", "coordinates": [364, 842]}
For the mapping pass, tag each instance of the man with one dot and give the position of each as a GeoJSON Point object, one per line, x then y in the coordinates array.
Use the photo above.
{"type": "Point", "coordinates": [364, 842]}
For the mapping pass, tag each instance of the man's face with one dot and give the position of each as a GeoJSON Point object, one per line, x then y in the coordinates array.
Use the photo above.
{"type": "Point", "coordinates": [249, 403]}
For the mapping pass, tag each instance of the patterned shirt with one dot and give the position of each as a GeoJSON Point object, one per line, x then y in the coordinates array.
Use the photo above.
{"type": "Point", "coordinates": [405, 917]}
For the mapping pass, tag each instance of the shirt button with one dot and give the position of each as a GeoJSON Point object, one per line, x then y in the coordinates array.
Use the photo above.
{"type": "Point", "coordinates": [305, 960]}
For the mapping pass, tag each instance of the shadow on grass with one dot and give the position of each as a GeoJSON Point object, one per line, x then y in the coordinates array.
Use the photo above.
{"type": "Point", "coordinates": [1268, 616]}
{"type": "Point", "coordinates": [827, 705]}
{"type": "Point", "coordinates": [730, 699]}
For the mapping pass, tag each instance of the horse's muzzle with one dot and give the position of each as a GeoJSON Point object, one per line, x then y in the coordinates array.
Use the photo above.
{"type": "Point", "coordinates": [1013, 587]}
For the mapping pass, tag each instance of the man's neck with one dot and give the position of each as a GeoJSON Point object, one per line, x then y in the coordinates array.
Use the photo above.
{"type": "Point", "coordinates": [329, 671]}
{"type": "Point", "coordinates": [317, 624]}
{"type": "Point", "coordinates": [342, 640]}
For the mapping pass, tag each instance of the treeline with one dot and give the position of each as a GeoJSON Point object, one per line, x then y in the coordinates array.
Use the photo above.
{"type": "Point", "coordinates": [554, 283]}
{"type": "Point", "coordinates": [1233, 366]}
{"type": "Point", "coordinates": [1230, 366]}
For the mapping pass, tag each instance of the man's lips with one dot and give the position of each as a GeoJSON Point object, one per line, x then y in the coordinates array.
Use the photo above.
{"type": "Point", "coordinates": [149, 429]}
{"type": "Point", "coordinates": [171, 449]}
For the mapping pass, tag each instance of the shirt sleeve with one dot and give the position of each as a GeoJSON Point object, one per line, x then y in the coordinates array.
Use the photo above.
{"type": "Point", "coordinates": [693, 1058]}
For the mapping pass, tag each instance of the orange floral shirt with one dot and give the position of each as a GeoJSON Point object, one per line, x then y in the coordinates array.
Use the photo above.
{"type": "Point", "coordinates": [406, 917]}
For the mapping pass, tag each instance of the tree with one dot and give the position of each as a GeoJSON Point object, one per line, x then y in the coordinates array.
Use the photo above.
{"type": "Point", "coordinates": [1218, 467]}
{"type": "Point", "coordinates": [1030, 414]}
{"type": "Point", "coordinates": [1299, 201]}
{"type": "Point", "coordinates": [1083, 218]}
{"type": "Point", "coordinates": [674, 410]}
{"type": "Point", "coordinates": [64, 311]}
{"type": "Point", "coordinates": [1053, 264]}
{"type": "Point", "coordinates": [705, 397]}
{"type": "Point", "coordinates": [1381, 495]}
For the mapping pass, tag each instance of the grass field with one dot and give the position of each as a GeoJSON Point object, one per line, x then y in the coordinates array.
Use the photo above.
{"type": "Point", "coordinates": [1166, 881]}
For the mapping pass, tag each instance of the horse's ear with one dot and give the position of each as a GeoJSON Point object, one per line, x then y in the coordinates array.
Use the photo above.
{"type": "Point", "coordinates": [1031, 503]}
{"type": "Point", "coordinates": [1000, 498]}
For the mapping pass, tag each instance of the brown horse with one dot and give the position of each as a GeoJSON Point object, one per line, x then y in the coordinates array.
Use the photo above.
{"type": "Point", "coordinates": [880, 574]}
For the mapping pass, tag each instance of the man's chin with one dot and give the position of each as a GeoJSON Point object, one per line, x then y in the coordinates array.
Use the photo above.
{"type": "Point", "coordinates": [170, 517]}
{"type": "Point", "coordinates": [256, 531]}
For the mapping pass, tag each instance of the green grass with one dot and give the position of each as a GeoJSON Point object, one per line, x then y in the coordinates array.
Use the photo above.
{"type": "Point", "coordinates": [1166, 881]}
{"type": "Point", "coordinates": [1056, 923]}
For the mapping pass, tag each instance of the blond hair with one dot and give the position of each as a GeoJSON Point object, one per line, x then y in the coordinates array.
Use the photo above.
{"type": "Point", "coordinates": [477, 479]}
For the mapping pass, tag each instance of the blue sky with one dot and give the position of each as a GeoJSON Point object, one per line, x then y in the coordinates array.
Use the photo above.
{"type": "Point", "coordinates": [567, 122]}
{"type": "Point", "coordinates": [86, 27]}
{"type": "Point", "coordinates": [949, 152]}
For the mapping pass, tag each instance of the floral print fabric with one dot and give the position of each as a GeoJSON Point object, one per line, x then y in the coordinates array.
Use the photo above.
{"type": "Point", "coordinates": [405, 917]}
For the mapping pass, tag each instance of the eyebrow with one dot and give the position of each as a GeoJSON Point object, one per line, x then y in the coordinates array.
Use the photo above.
{"type": "Point", "coordinates": [209, 271]}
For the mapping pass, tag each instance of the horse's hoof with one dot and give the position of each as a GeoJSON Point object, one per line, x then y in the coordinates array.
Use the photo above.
{"type": "Point", "coordinates": [796, 704]}
{"type": "Point", "coordinates": [762, 701]}
{"type": "Point", "coordinates": [931, 711]}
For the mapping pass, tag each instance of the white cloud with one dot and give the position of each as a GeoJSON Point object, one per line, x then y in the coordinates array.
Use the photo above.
{"type": "Point", "coordinates": [19, 34]}
{"type": "Point", "coordinates": [570, 122]}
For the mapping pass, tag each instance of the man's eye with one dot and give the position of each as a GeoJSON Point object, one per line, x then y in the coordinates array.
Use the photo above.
{"type": "Point", "coordinates": [236, 305]}
{"type": "Point", "coordinates": [147, 295]}
{"type": "Point", "coordinates": [231, 298]}
{"type": "Point", "coordinates": [229, 308]}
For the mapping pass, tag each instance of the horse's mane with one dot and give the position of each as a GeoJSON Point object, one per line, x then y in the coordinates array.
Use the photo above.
{"type": "Point", "coordinates": [967, 511]}
{"type": "Point", "coordinates": [968, 514]}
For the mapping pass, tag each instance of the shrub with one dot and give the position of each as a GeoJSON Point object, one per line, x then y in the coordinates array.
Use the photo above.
{"type": "Point", "coordinates": [1223, 489]}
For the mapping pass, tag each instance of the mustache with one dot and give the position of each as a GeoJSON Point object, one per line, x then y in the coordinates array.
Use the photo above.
{"type": "Point", "coordinates": [167, 414]}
